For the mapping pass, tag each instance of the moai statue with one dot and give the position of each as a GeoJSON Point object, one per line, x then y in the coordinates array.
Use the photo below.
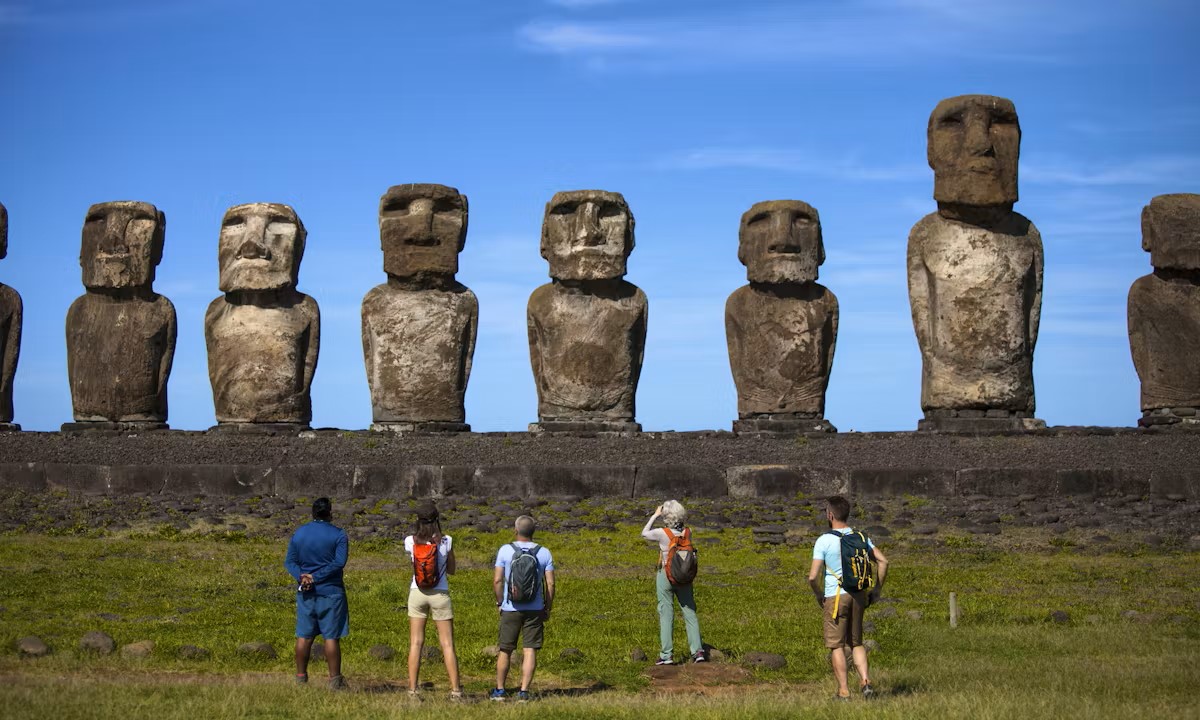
{"type": "Point", "coordinates": [1164, 312]}
{"type": "Point", "coordinates": [418, 328]}
{"type": "Point", "coordinates": [263, 335]}
{"type": "Point", "coordinates": [975, 274]}
{"type": "Point", "coordinates": [587, 327]}
{"type": "Point", "coordinates": [11, 312]}
{"type": "Point", "coordinates": [120, 333]}
{"type": "Point", "coordinates": [781, 328]}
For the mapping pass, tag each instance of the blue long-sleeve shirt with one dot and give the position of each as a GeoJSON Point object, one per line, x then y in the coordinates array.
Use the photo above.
{"type": "Point", "coordinates": [320, 549]}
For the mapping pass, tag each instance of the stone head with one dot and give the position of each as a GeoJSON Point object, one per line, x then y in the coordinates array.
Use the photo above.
{"type": "Point", "coordinates": [3, 231]}
{"type": "Point", "coordinates": [974, 142]}
{"type": "Point", "coordinates": [422, 228]}
{"type": "Point", "coordinates": [587, 235]}
{"type": "Point", "coordinates": [261, 247]}
{"type": "Point", "coordinates": [780, 241]}
{"type": "Point", "coordinates": [122, 244]}
{"type": "Point", "coordinates": [1171, 231]}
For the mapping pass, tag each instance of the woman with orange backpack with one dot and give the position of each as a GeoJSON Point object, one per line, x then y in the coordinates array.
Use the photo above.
{"type": "Point", "coordinates": [677, 565]}
{"type": "Point", "coordinates": [432, 553]}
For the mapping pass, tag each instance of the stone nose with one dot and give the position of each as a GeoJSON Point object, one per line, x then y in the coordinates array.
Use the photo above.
{"type": "Point", "coordinates": [113, 240]}
{"type": "Point", "coordinates": [587, 225]}
{"type": "Point", "coordinates": [978, 139]}
{"type": "Point", "coordinates": [252, 248]}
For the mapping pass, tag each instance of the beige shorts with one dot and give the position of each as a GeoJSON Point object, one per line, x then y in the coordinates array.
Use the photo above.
{"type": "Point", "coordinates": [846, 629]}
{"type": "Point", "coordinates": [429, 603]}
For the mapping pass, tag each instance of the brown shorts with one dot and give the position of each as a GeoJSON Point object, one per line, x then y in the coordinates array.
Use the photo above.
{"type": "Point", "coordinates": [526, 623]}
{"type": "Point", "coordinates": [844, 630]}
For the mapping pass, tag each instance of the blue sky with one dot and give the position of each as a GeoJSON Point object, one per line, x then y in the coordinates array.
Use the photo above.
{"type": "Point", "coordinates": [693, 110]}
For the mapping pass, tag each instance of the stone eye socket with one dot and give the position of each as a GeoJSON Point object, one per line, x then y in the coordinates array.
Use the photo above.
{"type": "Point", "coordinates": [233, 220]}
{"type": "Point", "coordinates": [564, 209]}
{"type": "Point", "coordinates": [1004, 118]}
{"type": "Point", "coordinates": [609, 210]}
{"type": "Point", "coordinates": [397, 207]}
{"type": "Point", "coordinates": [446, 205]}
{"type": "Point", "coordinates": [759, 218]}
{"type": "Point", "coordinates": [95, 217]}
{"type": "Point", "coordinates": [952, 120]}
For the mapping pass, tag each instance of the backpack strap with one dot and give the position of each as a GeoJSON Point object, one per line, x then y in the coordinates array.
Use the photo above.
{"type": "Point", "coordinates": [670, 535]}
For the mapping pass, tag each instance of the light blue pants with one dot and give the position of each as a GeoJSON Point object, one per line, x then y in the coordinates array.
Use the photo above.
{"type": "Point", "coordinates": [666, 616]}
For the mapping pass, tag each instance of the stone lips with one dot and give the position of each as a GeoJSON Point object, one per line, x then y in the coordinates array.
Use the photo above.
{"type": "Point", "coordinates": [587, 235]}
{"type": "Point", "coordinates": [780, 241]}
{"type": "Point", "coordinates": [122, 244]}
{"type": "Point", "coordinates": [422, 229]}
{"type": "Point", "coordinates": [261, 246]}
{"type": "Point", "coordinates": [12, 313]}
{"type": "Point", "coordinates": [974, 143]}
{"type": "Point", "coordinates": [1164, 312]}
{"type": "Point", "coordinates": [120, 333]}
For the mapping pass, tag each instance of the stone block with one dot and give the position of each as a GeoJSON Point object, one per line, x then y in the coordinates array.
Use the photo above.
{"type": "Point", "coordinates": [82, 479]}
{"type": "Point", "coordinates": [679, 481]}
{"type": "Point", "coordinates": [220, 480]}
{"type": "Point", "coordinates": [437, 480]}
{"type": "Point", "coordinates": [316, 480]}
{"type": "Point", "coordinates": [553, 481]}
{"type": "Point", "coordinates": [887, 482]}
{"type": "Point", "coordinates": [979, 425]}
{"type": "Point", "coordinates": [785, 480]}
{"type": "Point", "coordinates": [1176, 482]}
{"type": "Point", "coordinates": [1004, 482]}
{"type": "Point", "coordinates": [30, 477]}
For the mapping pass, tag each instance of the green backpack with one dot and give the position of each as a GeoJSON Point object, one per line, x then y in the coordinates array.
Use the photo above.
{"type": "Point", "coordinates": [858, 562]}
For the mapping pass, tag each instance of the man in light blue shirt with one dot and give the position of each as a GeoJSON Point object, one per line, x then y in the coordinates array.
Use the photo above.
{"type": "Point", "coordinates": [524, 618]}
{"type": "Point", "coordinates": [842, 610]}
{"type": "Point", "coordinates": [316, 556]}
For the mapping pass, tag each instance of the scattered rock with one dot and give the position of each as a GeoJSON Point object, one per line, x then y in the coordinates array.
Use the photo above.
{"type": "Point", "coordinates": [193, 652]}
{"type": "Point", "coordinates": [886, 612]}
{"type": "Point", "coordinates": [431, 653]}
{"type": "Point", "coordinates": [914, 614]}
{"type": "Point", "coordinates": [110, 617]}
{"type": "Point", "coordinates": [871, 645]}
{"type": "Point", "coordinates": [382, 652]}
{"type": "Point", "coordinates": [138, 650]}
{"type": "Point", "coordinates": [258, 649]}
{"type": "Point", "coordinates": [95, 641]}
{"type": "Point", "coordinates": [638, 655]}
{"type": "Point", "coordinates": [767, 660]}
{"type": "Point", "coordinates": [878, 531]}
{"type": "Point", "coordinates": [714, 654]}
{"type": "Point", "coordinates": [491, 650]}
{"type": "Point", "coordinates": [32, 646]}
{"type": "Point", "coordinates": [571, 655]}
{"type": "Point", "coordinates": [1094, 619]}
{"type": "Point", "coordinates": [924, 530]}
{"type": "Point", "coordinates": [317, 652]}
{"type": "Point", "coordinates": [868, 627]}
{"type": "Point", "coordinates": [1061, 617]}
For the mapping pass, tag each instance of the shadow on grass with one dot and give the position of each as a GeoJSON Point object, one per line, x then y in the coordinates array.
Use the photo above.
{"type": "Point", "coordinates": [575, 692]}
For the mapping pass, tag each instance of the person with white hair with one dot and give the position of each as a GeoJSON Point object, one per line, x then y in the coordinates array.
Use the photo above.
{"type": "Point", "coordinates": [672, 588]}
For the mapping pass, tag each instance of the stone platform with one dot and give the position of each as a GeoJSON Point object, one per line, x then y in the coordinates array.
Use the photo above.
{"type": "Point", "coordinates": [1051, 462]}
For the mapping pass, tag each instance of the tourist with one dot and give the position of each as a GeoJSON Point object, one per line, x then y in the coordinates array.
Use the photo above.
{"type": "Point", "coordinates": [316, 555]}
{"type": "Point", "coordinates": [432, 553]}
{"type": "Point", "coordinates": [841, 604]}
{"type": "Point", "coordinates": [524, 586]}
{"type": "Point", "coordinates": [673, 516]}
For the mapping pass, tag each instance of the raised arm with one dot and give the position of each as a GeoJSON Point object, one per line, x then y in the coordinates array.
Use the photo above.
{"type": "Point", "coordinates": [649, 532]}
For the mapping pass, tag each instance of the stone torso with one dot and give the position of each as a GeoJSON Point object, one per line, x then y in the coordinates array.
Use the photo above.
{"type": "Point", "coordinates": [119, 354]}
{"type": "Point", "coordinates": [418, 346]}
{"type": "Point", "coordinates": [258, 360]}
{"type": "Point", "coordinates": [976, 297]}
{"type": "Point", "coordinates": [1164, 335]}
{"type": "Point", "coordinates": [10, 339]}
{"type": "Point", "coordinates": [781, 349]}
{"type": "Point", "coordinates": [586, 351]}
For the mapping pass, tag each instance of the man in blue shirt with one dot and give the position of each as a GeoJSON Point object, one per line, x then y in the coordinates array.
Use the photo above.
{"type": "Point", "coordinates": [316, 555]}
{"type": "Point", "coordinates": [842, 610]}
{"type": "Point", "coordinates": [527, 618]}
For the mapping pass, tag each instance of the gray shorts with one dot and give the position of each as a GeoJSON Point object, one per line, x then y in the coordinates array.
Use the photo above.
{"type": "Point", "coordinates": [526, 623]}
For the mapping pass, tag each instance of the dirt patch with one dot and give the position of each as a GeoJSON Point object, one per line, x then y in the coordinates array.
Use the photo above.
{"type": "Point", "coordinates": [703, 679]}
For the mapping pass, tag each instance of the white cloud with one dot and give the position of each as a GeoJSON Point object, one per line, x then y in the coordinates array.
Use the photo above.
{"type": "Point", "coordinates": [566, 38]}
{"type": "Point", "coordinates": [791, 161]}
{"type": "Point", "coordinates": [1161, 170]}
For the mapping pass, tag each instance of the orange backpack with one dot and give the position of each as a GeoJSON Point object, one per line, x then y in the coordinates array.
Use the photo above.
{"type": "Point", "coordinates": [681, 564]}
{"type": "Point", "coordinates": [425, 565]}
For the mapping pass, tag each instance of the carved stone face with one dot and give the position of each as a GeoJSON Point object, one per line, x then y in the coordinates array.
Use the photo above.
{"type": "Point", "coordinates": [587, 235]}
{"type": "Point", "coordinates": [122, 244]}
{"type": "Point", "coordinates": [261, 247]}
{"type": "Point", "coordinates": [780, 241]}
{"type": "Point", "coordinates": [422, 229]}
{"type": "Point", "coordinates": [3, 231]}
{"type": "Point", "coordinates": [1171, 231]}
{"type": "Point", "coordinates": [974, 143]}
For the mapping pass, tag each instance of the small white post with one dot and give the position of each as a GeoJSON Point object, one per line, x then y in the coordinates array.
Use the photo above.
{"type": "Point", "coordinates": [953, 610]}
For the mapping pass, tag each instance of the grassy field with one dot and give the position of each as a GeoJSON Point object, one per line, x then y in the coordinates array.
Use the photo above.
{"type": "Point", "coordinates": [1006, 659]}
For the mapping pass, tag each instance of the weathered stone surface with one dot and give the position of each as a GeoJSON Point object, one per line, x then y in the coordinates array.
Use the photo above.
{"type": "Point", "coordinates": [679, 480]}
{"type": "Point", "coordinates": [97, 641]}
{"type": "Point", "coordinates": [138, 650]}
{"type": "Point", "coordinates": [890, 482]}
{"type": "Point", "coordinates": [786, 481]}
{"type": "Point", "coordinates": [263, 335]}
{"type": "Point", "coordinates": [30, 477]}
{"type": "Point", "coordinates": [637, 655]}
{"type": "Point", "coordinates": [770, 661]}
{"type": "Point", "coordinates": [781, 329]}
{"type": "Point", "coordinates": [587, 328]}
{"type": "Point", "coordinates": [258, 649]}
{"type": "Point", "coordinates": [32, 646]}
{"type": "Point", "coordinates": [120, 333]}
{"type": "Point", "coordinates": [553, 481]}
{"type": "Point", "coordinates": [1164, 311]}
{"type": "Point", "coordinates": [193, 652]}
{"type": "Point", "coordinates": [419, 328]}
{"type": "Point", "coordinates": [11, 314]}
{"type": "Point", "coordinates": [382, 652]}
{"type": "Point", "coordinates": [975, 272]}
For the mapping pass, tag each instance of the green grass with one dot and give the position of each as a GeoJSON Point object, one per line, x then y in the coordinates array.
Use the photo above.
{"type": "Point", "coordinates": [1006, 659]}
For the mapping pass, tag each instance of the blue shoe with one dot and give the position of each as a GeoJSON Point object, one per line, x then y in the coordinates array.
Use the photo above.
{"type": "Point", "coordinates": [523, 696]}
{"type": "Point", "coordinates": [498, 695]}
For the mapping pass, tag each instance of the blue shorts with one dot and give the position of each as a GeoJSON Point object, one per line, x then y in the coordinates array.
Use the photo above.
{"type": "Point", "coordinates": [324, 615]}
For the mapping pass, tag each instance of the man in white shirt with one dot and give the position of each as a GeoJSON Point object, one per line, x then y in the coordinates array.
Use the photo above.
{"type": "Point", "coordinates": [521, 618]}
{"type": "Point", "coordinates": [842, 610]}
